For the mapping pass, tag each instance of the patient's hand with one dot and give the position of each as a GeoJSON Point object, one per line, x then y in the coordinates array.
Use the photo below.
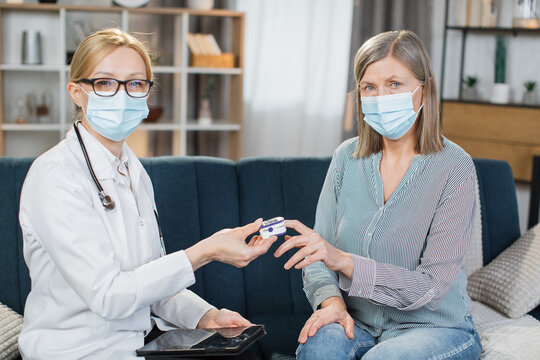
{"type": "Point", "coordinates": [333, 310]}
{"type": "Point", "coordinates": [313, 248]}
{"type": "Point", "coordinates": [229, 246]}
{"type": "Point", "coordinates": [215, 318]}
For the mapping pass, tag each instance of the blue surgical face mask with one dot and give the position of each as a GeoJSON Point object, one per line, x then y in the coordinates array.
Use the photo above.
{"type": "Point", "coordinates": [390, 115]}
{"type": "Point", "coordinates": [115, 117]}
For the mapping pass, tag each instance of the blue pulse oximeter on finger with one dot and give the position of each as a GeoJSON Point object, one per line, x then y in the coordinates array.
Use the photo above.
{"type": "Point", "coordinates": [273, 227]}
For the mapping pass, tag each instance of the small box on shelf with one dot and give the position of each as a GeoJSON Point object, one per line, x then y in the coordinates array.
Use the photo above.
{"type": "Point", "coordinates": [225, 60]}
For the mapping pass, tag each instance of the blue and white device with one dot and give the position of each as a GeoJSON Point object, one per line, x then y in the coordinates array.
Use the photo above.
{"type": "Point", "coordinates": [273, 227]}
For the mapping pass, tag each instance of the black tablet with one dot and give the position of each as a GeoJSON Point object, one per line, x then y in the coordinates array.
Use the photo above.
{"type": "Point", "coordinates": [202, 342]}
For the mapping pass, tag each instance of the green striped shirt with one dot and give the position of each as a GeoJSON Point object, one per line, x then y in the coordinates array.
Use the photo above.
{"type": "Point", "coordinates": [408, 252]}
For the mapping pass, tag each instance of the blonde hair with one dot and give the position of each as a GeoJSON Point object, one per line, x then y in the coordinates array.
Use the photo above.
{"type": "Point", "coordinates": [407, 47]}
{"type": "Point", "coordinates": [94, 48]}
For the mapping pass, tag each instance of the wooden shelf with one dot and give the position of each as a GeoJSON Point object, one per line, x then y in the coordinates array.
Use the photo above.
{"type": "Point", "coordinates": [480, 102]}
{"type": "Point", "coordinates": [24, 67]}
{"type": "Point", "coordinates": [31, 127]}
{"type": "Point", "coordinates": [492, 30]}
{"type": "Point", "coordinates": [142, 10]}
{"type": "Point", "coordinates": [216, 125]}
{"type": "Point", "coordinates": [508, 133]}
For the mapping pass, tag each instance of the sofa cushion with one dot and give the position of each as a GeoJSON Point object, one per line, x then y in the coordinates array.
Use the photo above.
{"type": "Point", "coordinates": [197, 197]}
{"type": "Point", "coordinates": [282, 332]}
{"type": "Point", "coordinates": [10, 327]}
{"type": "Point", "coordinates": [511, 282]}
{"type": "Point", "coordinates": [269, 187]}
{"type": "Point", "coordinates": [14, 275]}
{"type": "Point", "coordinates": [500, 219]}
{"type": "Point", "coordinates": [474, 259]}
{"type": "Point", "coordinates": [504, 338]}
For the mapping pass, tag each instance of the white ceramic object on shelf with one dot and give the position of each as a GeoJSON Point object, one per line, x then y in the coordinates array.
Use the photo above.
{"type": "Point", "coordinates": [131, 3]}
{"type": "Point", "coordinates": [500, 93]}
{"type": "Point", "coordinates": [201, 4]}
{"type": "Point", "coordinates": [205, 113]}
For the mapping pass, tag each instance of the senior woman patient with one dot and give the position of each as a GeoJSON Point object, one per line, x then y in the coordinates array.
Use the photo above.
{"type": "Point", "coordinates": [91, 231]}
{"type": "Point", "coordinates": [383, 267]}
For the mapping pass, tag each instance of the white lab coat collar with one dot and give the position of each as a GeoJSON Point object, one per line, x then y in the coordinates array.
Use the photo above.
{"type": "Point", "coordinates": [103, 161]}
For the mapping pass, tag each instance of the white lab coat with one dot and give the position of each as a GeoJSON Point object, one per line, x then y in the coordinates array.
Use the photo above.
{"type": "Point", "coordinates": [91, 298]}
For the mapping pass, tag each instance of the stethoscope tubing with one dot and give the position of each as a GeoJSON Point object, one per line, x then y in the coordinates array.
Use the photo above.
{"type": "Point", "coordinates": [106, 200]}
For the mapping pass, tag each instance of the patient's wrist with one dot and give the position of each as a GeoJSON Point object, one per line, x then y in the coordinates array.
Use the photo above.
{"type": "Point", "coordinates": [334, 301]}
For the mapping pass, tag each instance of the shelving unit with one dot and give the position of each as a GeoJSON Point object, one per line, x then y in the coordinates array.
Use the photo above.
{"type": "Point", "coordinates": [171, 134]}
{"type": "Point", "coordinates": [507, 132]}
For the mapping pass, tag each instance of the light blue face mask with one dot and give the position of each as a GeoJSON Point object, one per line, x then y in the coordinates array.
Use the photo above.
{"type": "Point", "coordinates": [115, 117]}
{"type": "Point", "coordinates": [390, 115]}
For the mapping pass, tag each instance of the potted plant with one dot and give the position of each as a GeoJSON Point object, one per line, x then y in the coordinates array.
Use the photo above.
{"type": "Point", "coordinates": [529, 96]}
{"type": "Point", "coordinates": [469, 88]}
{"type": "Point", "coordinates": [500, 93]}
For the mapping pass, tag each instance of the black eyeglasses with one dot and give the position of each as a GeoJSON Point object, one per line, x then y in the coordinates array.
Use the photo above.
{"type": "Point", "coordinates": [107, 87]}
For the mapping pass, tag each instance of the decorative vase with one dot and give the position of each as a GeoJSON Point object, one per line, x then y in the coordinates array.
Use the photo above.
{"type": "Point", "coordinates": [468, 93]}
{"type": "Point", "coordinates": [205, 113]}
{"type": "Point", "coordinates": [201, 4]}
{"type": "Point", "coordinates": [530, 97]}
{"type": "Point", "coordinates": [500, 93]}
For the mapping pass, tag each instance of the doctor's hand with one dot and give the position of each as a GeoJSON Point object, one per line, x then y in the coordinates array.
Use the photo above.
{"type": "Point", "coordinates": [333, 310]}
{"type": "Point", "coordinates": [229, 246]}
{"type": "Point", "coordinates": [215, 318]}
{"type": "Point", "coordinates": [313, 248]}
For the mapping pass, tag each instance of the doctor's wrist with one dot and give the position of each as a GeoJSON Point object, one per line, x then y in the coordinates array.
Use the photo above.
{"type": "Point", "coordinates": [200, 254]}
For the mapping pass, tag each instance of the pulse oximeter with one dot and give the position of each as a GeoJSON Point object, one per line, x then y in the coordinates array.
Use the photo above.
{"type": "Point", "coordinates": [273, 227]}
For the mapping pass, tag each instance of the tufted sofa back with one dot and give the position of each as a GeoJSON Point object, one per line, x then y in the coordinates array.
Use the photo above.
{"type": "Point", "coordinates": [197, 196]}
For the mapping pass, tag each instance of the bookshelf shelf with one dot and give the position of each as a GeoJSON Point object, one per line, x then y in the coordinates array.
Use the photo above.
{"type": "Point", "coordinates": [178, 84]}
{"type": "Point", "coordinates": [485, 129]}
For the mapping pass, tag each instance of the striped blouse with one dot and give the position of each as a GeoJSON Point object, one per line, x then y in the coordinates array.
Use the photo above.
{"type": "Point", "coordinates": [408, 252]}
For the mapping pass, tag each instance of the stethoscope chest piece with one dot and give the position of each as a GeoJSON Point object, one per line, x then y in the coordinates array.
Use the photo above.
{"type": "Point", "coordinates": [106, 201]}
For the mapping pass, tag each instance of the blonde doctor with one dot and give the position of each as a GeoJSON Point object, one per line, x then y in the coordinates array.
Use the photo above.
{"type": "Point", "coordinates": [90, 227]}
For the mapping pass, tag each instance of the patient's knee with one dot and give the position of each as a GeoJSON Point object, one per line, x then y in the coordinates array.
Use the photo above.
{"type": "Point", "coordinates": [330, 342]}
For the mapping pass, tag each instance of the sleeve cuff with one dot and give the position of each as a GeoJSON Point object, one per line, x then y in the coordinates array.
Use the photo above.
{"type": "Point", "coordinates": [324, 293]}
{"type": "Point", "coordinates": [363, 280]}
{"type": "Point", "coordinates": [184, 310]}
{"type": "Point", "coordinates": [164, 277]}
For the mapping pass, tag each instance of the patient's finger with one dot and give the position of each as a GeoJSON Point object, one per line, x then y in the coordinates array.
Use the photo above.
{"type": "Point", "coordinates": [307, 261]}
{"type": "Point", "coordinates": [299, 256]}
{"type": "Point", "coordinates": [298, 226]}
{"type": "Point", "coordinates": [296, 241]}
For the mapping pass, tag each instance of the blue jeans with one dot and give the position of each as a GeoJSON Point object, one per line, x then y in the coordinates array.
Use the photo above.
{"type": "Point", "coordinates": [330, 342]}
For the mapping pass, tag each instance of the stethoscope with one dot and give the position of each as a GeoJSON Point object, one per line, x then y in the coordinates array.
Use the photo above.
{"type": "Point", "coordinates": [107, 202]}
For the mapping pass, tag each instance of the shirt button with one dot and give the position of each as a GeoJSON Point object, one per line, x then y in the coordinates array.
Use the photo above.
{"type": "Point", "coordinates": [369, 233]}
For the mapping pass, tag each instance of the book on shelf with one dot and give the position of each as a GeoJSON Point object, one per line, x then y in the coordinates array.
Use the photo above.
{"type": "Point", "coordinates": [203, 44]}
{"type": "Point", "coordinates": [474, 13]}
{"type": "Point", "coordinates": [205, 52]}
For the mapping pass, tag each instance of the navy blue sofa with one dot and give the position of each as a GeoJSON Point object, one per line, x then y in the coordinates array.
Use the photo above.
{"type": "Point", "coordinates": [197, 196]}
